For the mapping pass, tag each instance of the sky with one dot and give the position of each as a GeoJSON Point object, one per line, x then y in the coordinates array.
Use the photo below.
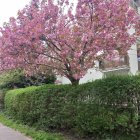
{"type": "Point", "coordinates": [9, 8]}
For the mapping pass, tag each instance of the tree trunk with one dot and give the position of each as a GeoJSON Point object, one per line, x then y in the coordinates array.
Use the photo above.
{"type": "Point", "coordinates": [74, 81]}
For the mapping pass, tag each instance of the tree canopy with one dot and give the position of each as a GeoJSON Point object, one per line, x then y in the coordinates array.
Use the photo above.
{"type": "Point", "coordinates": [48, 35]}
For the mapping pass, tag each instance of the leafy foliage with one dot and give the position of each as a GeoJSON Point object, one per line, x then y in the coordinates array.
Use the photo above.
{"type": "Point", "coordinates": [2, 95]}
{"type": "Point", "coordinates": [29, 131]}
{"type": "Point", "coordinates": [17, 79]}
{"type": "Point", "coordinates": [106, 107]}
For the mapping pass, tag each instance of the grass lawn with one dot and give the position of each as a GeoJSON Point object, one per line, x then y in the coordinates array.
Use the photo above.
{"type": "Point", "coordinates": [28, 131]}
{"type": "Point", "coordinates": [42, 135]}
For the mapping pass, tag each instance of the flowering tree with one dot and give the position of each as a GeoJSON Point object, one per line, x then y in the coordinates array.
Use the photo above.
{"type": "Point", "coordinates": [47, 36]}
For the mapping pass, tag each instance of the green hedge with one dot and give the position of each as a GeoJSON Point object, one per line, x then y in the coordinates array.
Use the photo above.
{"type": "Point", "coordinates": [2, 94]}
{"type": "Point", "coordinates": [104, 107]}
{"type": "Point", "coordinates": [16, 79]}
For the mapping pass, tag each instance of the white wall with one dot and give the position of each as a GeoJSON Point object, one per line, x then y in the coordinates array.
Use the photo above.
{"type": "Point", "coordinates": [91, 75]}
{"type": "Point", "coordinates": [62, 80]}
{"type": "Point", "coordinates": [132, 53]}
{"type": "Point", "coordinates": [133, 62]}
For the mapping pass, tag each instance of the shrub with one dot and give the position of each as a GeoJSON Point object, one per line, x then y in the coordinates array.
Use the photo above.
{"type": "Point", "coordinates": [2, 94]}
{"type": "Point", "coordinates": [17, 79]}
{"type": "Point", "coordinates": [101, 108]}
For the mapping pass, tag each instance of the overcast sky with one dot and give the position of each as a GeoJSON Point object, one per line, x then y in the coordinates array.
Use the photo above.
{"type": "Point", "coordinates": [9, 8]}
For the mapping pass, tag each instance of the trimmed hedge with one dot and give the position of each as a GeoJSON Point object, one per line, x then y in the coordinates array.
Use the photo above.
{"type": "Point", "coordinates": [102, 108]}
{"type": "Point", "coordinates": [2, 94]}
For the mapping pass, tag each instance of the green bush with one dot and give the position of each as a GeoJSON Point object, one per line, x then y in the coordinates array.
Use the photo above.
{"type": "Point", "coordinates": [2, 94]}
{"type": "Point", "coordinates": [100, 108]}
{"type": "Point", "coordinates": [17, 79]}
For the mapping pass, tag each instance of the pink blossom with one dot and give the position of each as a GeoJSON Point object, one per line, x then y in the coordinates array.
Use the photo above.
{"type": "Point", "coordinates": [44, 37]}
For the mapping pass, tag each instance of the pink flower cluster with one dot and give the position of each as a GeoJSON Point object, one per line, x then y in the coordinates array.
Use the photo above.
{"type": "Point", "coordinates": [44, 35]}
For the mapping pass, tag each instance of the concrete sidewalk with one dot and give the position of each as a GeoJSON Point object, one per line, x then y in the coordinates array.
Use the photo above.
{"type": "Point", "coordinates": [7, 133]}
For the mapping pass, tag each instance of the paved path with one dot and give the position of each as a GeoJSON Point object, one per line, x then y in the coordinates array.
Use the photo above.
{"type": "Point", "coordinates": [10, 134]}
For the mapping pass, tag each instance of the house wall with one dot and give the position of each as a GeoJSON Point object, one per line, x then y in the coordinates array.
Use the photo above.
{"type": "Point", "coordinates": [132, 53]}
{"type": "Point", "coordinates": [91, 75]}
{"type": "Point", "coordinates": [133, 62]}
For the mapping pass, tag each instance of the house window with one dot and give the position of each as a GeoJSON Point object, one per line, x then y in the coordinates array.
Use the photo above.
{"type": "Point", "coordinates": [115, 62]}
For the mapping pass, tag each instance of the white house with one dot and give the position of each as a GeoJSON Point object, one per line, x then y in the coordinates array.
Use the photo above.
{"type": "Point", "coordinates": [129, 64]}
